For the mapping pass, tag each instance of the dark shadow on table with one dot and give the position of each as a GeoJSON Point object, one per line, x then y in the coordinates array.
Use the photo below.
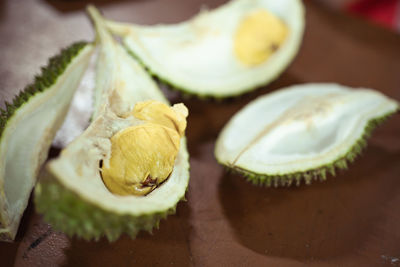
{"type": "Point", "coordinates": [169, 245]}
{"type": "Point", "coordinates": [317, 222]}
{"type": "Point", "coordinates": [8, 253]}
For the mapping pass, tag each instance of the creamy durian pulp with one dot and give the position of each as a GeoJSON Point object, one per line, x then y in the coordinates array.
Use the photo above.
{"type": "Point", "coordinates": [258, 36]}
{"type": "Point", "coordinates": [143, 156]}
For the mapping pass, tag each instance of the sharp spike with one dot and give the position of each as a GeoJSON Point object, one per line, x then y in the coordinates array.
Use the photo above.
{"type": "Point", "coordinates": [331, 170]}
{"type": "Point", "coordinates": [268, 181]}
{"type": "Point", "coordinates": [323, 174]}
{"type": "Point", "coordinates": [307, 178]}
{"type": "Point", "coordinates": [289, 179]}
{"type": "Point", "coordinates": [275, 181]}
{"type": "Point", "coordinates": [298, 178]}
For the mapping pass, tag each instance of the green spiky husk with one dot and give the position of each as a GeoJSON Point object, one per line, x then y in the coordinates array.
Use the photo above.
{"type": "Point", "coordinates": [69, 213]}
{"type": "Point", "coordinates": [319, 173]}
{"type": "Point", "coordinates": [55, 67]}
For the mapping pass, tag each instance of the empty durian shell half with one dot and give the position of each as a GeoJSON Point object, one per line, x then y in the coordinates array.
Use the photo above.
{"type": "Point", "coordinates": [301, 132]}
{"type": "Point", "coordinates": [28, 126]}
{"type": "Point", "coordinates": [198, 56]}
{"type": "Point", "coordinates": [71, 193]}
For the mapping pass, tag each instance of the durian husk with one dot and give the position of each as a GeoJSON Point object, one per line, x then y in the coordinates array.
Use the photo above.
{"type": "Point", "coordinates": [28, 126]}
{"type": "Point", "coordinates": [319, 173]}
{"type": "Point", "coordinates": [68, 213]}
{"type": "Point", "coordinates": [68, 208]}
{"type": "Point", "coordinates": [71, 194]}
{"type": "Point", "coordinates": [312, 165]}
{"type": "Point", "coordinates": [294, 18]}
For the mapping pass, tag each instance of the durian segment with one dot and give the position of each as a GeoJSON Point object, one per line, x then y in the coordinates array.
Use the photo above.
{"type": "Point", "coordinates": [70, 212]}
{"type": "Point", "coordinates": [28, 126]}
{"type": "Point", "coordinates": [197, 56]}
{"type": "Point", "coordinates": [143, 156]}
{"type": "Point", "coordinates": [81, 204]}
{"type": "Point", "coordinates": [159, 113]}
{"type": "Point", "coordinates": [258, 36]}
{"type": "Point", "coordinates": [74, 199]}
{"type": "Point", "coordinates": [301, 132]}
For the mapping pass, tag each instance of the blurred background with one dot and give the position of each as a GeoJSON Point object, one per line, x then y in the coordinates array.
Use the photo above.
{"type": "Point", "coordinates": [386, 13]}
{"type": "Point", "coordinates": [383, 12]}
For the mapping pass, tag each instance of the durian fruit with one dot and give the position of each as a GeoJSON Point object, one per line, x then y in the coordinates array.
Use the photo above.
{"type": "Point", "coordinates": [302, 132]}
{"type": "Point", "coordinates": [224, 52]}
{"type": "Point", "coordinates": [27, 127]}
{"type": "Point", "coordinates": [76, 193]}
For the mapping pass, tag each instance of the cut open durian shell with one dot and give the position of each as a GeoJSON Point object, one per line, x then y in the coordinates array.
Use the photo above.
{"type": "Point", "coordinates": [302, 132]}
{"type": "Point", "coordinates": [27, 127]}
{"type": "Point", "coordinates": [71, 193]}
{"type": "Point", "coordinates": [197, 56]}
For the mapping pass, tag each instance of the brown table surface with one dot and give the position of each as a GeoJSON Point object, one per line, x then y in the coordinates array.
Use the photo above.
{"type": "Point", "coordinates": [350, 220]}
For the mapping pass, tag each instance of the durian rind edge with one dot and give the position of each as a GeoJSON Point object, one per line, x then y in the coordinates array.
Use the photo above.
{"type": "Point", "coordinates": [29, 103]}
{"type": "Point", "coordinates": [319, 173]}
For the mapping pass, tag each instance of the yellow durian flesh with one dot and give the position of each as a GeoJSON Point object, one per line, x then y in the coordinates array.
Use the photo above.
{"type": "Point", "coordinates": [143, 156]}
{"type": "Point", "coordinates": [258, 36]}
{"type": "Point", "coordinates": [160, 113]}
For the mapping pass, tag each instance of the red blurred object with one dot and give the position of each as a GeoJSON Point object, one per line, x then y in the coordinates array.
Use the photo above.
{"type": "Point", "coordinates": [384, 12]}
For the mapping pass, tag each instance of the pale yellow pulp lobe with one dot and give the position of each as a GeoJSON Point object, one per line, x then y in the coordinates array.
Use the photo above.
{"type": "Point", "coordinates": [258, 36]}
{"type": "Point", "coordinates": [146, 151]}
{"type": "Point", "coordinates": [160, 113]}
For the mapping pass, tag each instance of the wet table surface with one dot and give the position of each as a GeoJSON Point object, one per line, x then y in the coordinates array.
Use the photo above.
{"type": "Point", "coordinates": [350, 220]}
